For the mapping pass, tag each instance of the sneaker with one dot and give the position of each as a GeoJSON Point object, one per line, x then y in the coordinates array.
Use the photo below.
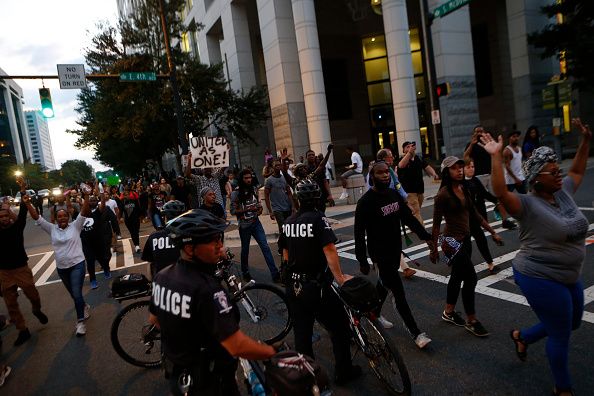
{"type": "Point", "coordinates": [4, 373]}
{"type": "Point", "coordinates": [87, 313]}
{"type": "Point", "coordinates": [409, 272]}
{"type": "Point", "coordinates": [510, 225]}
{"type": "Point", "coordinates": [107, 274]}
{"type": "Point", "coordinates": [119, 237]}
{"type": "Point", "coordinates": [385, 322]}
{"type": "Point", "coordinates": [348, 375]}
{"type": "Point", "coordinates": [476, 328]}
{"type": "Point", "coordinates": [94, 284]}
{"type": "Point", "coordinates": [453, 317]}
{"type": "Point", "coordinates": [23, 337]}
{"type": "Point", "coordinates": [422, 340]}
{"type": "Point", "coordinates": [137, 249]}
{"type": "Point", "coordinates": [344, 195]}
{"type": "Point", "coordinates": [40, 316]}
{"type": "Point", "coordinates": [81, 329]}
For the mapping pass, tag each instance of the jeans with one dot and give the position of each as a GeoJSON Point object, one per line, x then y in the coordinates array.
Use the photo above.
{"type": "Point", "coordinates": [96, 250]}
{"type": "Point", "coordinates": [257, 231]}
{"type": "Point", "coordinates": [559, 307]}
{"type": "Point", "coordinates": [281, 217]}
{"type": "Point", "coordinates": [73, 279]}
{"type": "Point", "coordinates": [157, 220]}
{"type": "Point", "coordinates": [462, 271]}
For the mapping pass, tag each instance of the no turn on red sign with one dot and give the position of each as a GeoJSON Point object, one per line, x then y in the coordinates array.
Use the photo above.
{"type": "Point", "coordinates": [72, 76]}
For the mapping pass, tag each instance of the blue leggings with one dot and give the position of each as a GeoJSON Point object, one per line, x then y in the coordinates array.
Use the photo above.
{"type": "Point", "coordinates": [559, 308]}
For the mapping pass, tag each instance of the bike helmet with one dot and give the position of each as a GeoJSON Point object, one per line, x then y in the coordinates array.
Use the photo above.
{"type": "Point", "coordinates": [289, 373]}
{"type": "Point", "coordinates": [195, 226]}
{"type": "Point", "coordinates": [173, 209]}
{"type": "Point", "coordinates": [307, 190]}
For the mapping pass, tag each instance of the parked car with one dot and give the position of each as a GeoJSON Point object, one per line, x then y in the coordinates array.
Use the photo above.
{"type": "Point", "coordinates": [17, 197]}
{"type": "Point", "coordinates": [43, 193]}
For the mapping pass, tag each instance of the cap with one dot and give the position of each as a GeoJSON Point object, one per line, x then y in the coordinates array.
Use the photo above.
{"type": "Point", "coordinates": [449, 161]}
{"type": "Point", "coordinates": [407, 143]}
{"type": "Point", "coordinates": [512, 133]}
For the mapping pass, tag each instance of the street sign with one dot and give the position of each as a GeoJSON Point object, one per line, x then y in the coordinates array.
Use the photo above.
{"type": "Point", "coordinates": [435, 117]}
{"type": "Point", "coordinates": [548, 98]}
{"type": "Point", "coordinates": [564, 88]}
{"type": "Point", "coordinates": [72, 76]}
{"type": "Point", "coordinates": [448, 7]}
{"type": "Point", "coordinates": [138, 76]}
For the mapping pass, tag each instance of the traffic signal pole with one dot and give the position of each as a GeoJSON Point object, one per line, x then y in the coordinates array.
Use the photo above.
{"type": "Point", "coordinates": [436, 130]}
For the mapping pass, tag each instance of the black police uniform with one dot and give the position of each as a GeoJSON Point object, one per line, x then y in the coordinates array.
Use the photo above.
{"type": "Point", "coordinates": [195, 314]}
{"type": "Point", "coordinates": [159, 251]}
{"type": "Point", "coordinates": [308, 280]}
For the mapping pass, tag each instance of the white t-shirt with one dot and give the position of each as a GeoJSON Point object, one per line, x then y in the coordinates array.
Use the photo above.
{"type": "Point", "coordinates": [356, 159]}
{"type": "Point", "coordinates": [111, 204]}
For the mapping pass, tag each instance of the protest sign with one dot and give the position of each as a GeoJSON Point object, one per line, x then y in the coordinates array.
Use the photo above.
{"type": "Point", "coordinates": [209, 152]}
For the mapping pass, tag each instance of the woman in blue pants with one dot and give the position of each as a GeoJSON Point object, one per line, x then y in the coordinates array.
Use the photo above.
{"type": "Point", "coordinates": [552, 235]}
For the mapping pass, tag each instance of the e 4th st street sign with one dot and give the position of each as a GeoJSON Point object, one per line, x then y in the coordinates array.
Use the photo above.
{"type": "Point", "coordinates": [72, 76]}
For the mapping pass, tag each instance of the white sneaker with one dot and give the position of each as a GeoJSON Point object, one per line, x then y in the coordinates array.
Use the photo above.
{"type": "Point", "coordinates": [87, 311]}
{"type": "Point", "coordinates": [5, 372]}
{"type": "Point", "coordinates": [385, 322]}
{"type": "Point", "coordinates": [422, 340]}
{"type": "Point", "coordinates": [119, 237]}
{"type": "Point", "coordinates": [344, 195]}
{"type": "Point", "coordinates": [137, 249]}
{"type": "Point", "coordinates": [81, 329]}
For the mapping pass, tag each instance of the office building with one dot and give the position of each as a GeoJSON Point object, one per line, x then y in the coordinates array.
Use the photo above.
{"type": "Point", "coordinates": [39, 138]}
{"type": "Point", "coordinates": [13, 142]}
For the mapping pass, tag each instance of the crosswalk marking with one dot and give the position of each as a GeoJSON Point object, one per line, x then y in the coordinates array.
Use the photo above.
{"type": "Point", "coordinates": [48, 272]}
{"type": "Point", "coordinates": [41, 262]}
{"type": "Point", "coordinates": [128, 258]}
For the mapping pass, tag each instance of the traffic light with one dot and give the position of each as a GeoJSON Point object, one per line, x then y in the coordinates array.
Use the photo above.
{"type": "Point", "coordinates": [442, 89]}
{"type": "Point", "coordinates": [46, 103]}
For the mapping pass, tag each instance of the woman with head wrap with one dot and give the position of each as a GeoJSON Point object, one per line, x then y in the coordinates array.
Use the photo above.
{"type": "Point", "coordinates": [209, 203]}
{"type": "Point", "coordinates": [548, 265]}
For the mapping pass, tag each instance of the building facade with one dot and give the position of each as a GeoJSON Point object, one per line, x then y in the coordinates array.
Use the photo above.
{"type": "Point", "coordinates": [39, 138]}
{"type": "Point", "coordinates": [354, 72]}
{"type": "Point", "coordinates": [14, 144]}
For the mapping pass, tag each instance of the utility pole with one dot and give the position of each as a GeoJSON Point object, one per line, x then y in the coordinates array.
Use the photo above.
{"type": "Point", "coordinates": [436, 131]}
{"type": "Point", "coordinates": [172, 77]}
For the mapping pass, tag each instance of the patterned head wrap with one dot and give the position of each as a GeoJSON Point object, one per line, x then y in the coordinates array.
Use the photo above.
{"type": "Point", "coordinates": [205, 191]}
{"type": "Point", "coordinates": [540, 157]}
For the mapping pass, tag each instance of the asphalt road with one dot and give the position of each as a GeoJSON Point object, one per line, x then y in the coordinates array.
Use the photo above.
{"type": "Point", "coordinates": [55, 362]}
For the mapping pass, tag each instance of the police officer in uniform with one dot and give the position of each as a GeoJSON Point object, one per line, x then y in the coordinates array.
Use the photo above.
{"type": "Point", "coordinates": [310, 261]}
{"type": "Point", "coordinates": [199, 324]}
{"type": "Point", "coordinates": [159, 250]}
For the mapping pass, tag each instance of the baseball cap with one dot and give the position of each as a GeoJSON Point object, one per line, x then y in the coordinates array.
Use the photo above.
{"type": "Point", "coordinates": [449, 161]}
{"type": "Point", "coordinates": [407, 143]}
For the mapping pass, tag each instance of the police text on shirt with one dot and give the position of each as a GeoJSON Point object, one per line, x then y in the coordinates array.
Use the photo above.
{"type": "Point", "coordinates": [171, 301]}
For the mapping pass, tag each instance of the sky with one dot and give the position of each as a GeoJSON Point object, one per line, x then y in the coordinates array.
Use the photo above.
{"type": "Point", "coordinates": [37, 35]}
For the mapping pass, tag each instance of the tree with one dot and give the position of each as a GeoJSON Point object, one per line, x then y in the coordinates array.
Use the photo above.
{"type": "Point", "coordinates": [76, 171]}
{"type": "Point", "coordinates": [130, 123]}
{"type": "Point", "coordinates": [574, 38]}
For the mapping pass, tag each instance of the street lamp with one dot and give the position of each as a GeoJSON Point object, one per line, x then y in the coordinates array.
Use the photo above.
{"type": "Point", "coordinates": [18, 173]}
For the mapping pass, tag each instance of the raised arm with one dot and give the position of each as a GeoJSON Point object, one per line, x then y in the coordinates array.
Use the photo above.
{"type": "Point", "coordinates": [322, 165]}
{"type": "Point", "coordinates": [578, 166]}
{"type": "Point", "coordinates": [188, 170]}
{"type": "Point", "coordinates": [85, 210]}
{"type": "Point", "coordinates": [510, 201]}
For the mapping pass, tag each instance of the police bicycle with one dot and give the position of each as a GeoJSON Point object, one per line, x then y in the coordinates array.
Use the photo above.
{"type": "Point", "coordinates": [373, 341]}
{"type": "Point", "coordinates": [265, 314]}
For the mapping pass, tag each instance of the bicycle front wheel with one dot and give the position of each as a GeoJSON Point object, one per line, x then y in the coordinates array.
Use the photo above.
{"type": "Point", "coordinates": [264, 313]}
{"type": "Point", "coordinates": [383, 357]}
{"type": "Point", "coordinates": [128, 333]}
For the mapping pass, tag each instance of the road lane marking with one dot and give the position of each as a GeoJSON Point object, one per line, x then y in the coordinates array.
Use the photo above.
{"type": "Point", "coordinates": [41, 262]}
{"type": "Point", "coordinates": [128, 257]}
{"type": "Point", "coordinates": [48, 272]}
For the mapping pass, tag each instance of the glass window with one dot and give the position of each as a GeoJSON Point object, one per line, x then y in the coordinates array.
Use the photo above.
{"type": "Point", "coordinates": [185, 42]}
{"type": "Point", "coordinates": [415, 39]}
{"type": "Point", "coordinates": [417, 62]}
{"type": "Point", "coordinates": [379, 93]}
{"type": "Point", "coordinates": [377, 69]}
{"type": "Point", "coordinates": [374, 47]}
{"type": "Point", "coordinates": [420, 87]}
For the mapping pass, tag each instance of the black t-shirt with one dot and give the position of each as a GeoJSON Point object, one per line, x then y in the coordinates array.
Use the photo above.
{"type": "Point", "coordinates": [305, 234]}
{"type": "Point", "coordinates": [158, 200]}
{"type": "Point", "coordinates": [194, 312]}
{"type": "Point", "coordinates": [216, 209]}
{"type": "Point", "coordinates": [131, 208]}
{"type": "Point", "coordinates": [93, 228]}
{"type": "Point", "coordinates": [411, 176]}
{"type": "Point", "coordinates": [481, 159]}
{"type": "Point", "coordinates": [380, 215]}
{"type": "Point", "coordinates": [13, 248]}
{"type": "Point", "coordinates": [478, 194]}
{"type": "Point", "coordinates": [159, 250]}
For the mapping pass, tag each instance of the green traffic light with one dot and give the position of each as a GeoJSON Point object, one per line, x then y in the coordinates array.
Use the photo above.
{"type": "Point", "coordinates": [47, 108]}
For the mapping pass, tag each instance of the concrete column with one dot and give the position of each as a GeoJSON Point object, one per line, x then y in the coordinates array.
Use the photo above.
{"type": "Point", "coordinates": [529, 73]}
{"type": "Point", "coordinates": [454, 63]}
{"type": "Point", "coordinates": [283, 76]}
{"type": "Point", "coordinates": [310, 63]}
{"type": "Point", "coordinates": [237, 46]}
{"type": "Point", "coordinates": [402, 82]}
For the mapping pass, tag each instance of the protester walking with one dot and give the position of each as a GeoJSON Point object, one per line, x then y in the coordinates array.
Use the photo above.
{"type": "Point", "coordinates": [69, 256]}
{"type": "Point", "coordinates": [132, 216]}
{"type": "Point", "coordinates": [512, 157]}
{"type": "Point", "coordinates": [278, 198]}
{"type": "Point", "coordinates": [14, 271]}
{"type": "Point", "coordinates": [552, 249]}
{"type": "Point", "coordinates": [96, 238]}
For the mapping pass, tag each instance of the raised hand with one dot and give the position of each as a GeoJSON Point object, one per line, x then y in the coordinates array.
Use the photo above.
{"type": "Point", "coordinates": [330, 147]}
{"type": "Point", "coordinates": [491, 145]}
{"type": "Point", "coordinates": [584, 129]}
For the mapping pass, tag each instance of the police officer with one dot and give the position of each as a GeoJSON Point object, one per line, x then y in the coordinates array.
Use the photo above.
{"type": "Point", "coordinates": [310, 261]}
{"type": "Point", "coordinates": [158, 250]}
{"type": "Point", "coordinates": [199, 323]}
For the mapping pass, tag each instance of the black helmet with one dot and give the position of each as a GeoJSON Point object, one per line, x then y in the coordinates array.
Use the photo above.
{"type": "Point", "coordinates": [307, 190]}
{"type": "Point", "coordinates": [173, 209]}
{"type": "Point", "coordinates": [289, 373]}
{"type": "Point", "coordinates": [195, 226]}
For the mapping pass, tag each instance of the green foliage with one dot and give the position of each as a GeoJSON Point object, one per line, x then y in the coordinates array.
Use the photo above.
{"type": "Point", "coordinates": [575, 36]}
{"type": "Point", "coordinates": [76, 171]}
{"type": "Point", "coordinates": [128, 123]}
